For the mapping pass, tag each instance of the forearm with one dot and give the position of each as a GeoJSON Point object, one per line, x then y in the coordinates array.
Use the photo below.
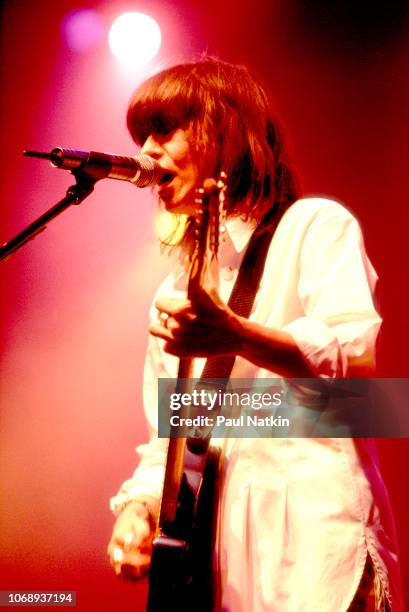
{"type": "Point", "coordinates": [271, 349]}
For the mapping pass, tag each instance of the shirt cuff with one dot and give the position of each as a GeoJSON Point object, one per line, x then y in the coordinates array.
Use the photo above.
{"type": "Point", "coordinates": [319, 346]}
{"type": "Point", "coordinates": [137, 493]}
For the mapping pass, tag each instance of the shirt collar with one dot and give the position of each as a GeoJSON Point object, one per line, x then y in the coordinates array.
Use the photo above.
{"type": "Point", "coordinates": [233, 241]}
{"type": "Point", "coordinates": [238, 232]}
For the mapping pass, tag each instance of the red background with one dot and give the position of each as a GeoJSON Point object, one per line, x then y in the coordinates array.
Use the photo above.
{"type": "Point", "coordinates": [75, 300]}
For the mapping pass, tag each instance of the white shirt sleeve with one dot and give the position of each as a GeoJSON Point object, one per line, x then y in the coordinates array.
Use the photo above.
{"type": "Point", "coordinates": [149, 475]}
{"type": "Point", "coordinates": [335, 287]}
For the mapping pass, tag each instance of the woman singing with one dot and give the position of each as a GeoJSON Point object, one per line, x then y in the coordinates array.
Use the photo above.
{"type": "Point", "coordinates": [303, 524]}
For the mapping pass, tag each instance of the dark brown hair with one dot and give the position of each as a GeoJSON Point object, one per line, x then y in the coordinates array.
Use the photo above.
{"type": "Point", "coordinates": [234, 130]}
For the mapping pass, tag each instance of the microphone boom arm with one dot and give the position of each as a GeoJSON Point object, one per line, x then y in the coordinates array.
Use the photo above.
{"type": "Point", "coordinates": [83, 187]}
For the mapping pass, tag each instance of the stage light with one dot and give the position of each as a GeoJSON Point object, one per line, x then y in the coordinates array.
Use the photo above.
{"type": "Point", "coordinates": [82, 29]}
{"type": "Point", "coordinates": [134, 39]}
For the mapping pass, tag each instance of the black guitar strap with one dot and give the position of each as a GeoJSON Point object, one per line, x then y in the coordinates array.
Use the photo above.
{"type": "Point", "coordinates": [246, 286]}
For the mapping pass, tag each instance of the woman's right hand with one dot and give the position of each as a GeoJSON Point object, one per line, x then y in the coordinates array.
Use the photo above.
{"type": "Point", "coordinates": [130, 547]}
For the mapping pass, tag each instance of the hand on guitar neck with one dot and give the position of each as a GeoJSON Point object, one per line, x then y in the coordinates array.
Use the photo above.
{"type": "Point", "coordinates": [199, 327]}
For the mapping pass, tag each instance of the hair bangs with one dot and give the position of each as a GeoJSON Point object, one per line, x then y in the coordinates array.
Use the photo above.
{"type": "Point", "coordinates": [163, 103]}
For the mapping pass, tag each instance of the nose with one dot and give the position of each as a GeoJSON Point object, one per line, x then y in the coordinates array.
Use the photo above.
{"type": "Point", "coordinates": [152, 148]}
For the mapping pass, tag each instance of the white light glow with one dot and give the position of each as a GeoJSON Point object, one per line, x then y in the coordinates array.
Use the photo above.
{"type": "Point", "coordinates": [169, 228]}
{"type": "Point", "coordinates": [134, 39]}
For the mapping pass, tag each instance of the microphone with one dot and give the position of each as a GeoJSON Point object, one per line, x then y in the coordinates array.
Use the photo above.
{"type": "Point", "coordinates": [141, 170]}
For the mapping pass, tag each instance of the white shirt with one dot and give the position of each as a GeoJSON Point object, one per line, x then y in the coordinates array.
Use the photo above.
{"type": "Point", "coordinates": [296, 517]}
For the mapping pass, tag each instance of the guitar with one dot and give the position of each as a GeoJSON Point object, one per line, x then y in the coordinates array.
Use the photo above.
{"type": "Point", "coordinates": [180, 576]}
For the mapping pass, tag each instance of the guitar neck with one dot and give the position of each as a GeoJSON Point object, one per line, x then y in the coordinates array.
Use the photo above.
{"type": "Point", "coordinates": [175, 456]}
{"type": "Point", "coordinates": [184, 373]}
{"type": "Point", "coordinates": [204, 258]}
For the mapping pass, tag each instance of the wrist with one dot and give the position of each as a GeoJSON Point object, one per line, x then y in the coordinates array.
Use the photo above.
{"type": "Point", "coordinates": [146, 506]}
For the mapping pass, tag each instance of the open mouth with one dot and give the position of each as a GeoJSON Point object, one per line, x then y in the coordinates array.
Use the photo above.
{"type": "Point", "coordinates": [166, 178]}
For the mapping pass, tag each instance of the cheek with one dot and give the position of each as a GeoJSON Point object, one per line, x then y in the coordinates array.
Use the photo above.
{"type": "Point", "coordinates": [189, 170]}
{"type": "Point", "coordinates": [185, 159]}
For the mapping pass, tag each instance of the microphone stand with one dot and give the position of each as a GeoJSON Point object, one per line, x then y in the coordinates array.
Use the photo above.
{"type": "Point", "coordinates": [75, 195]}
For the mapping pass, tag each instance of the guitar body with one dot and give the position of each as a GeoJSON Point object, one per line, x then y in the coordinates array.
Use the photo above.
{"type": "Point", "coordinates": [181, 575]}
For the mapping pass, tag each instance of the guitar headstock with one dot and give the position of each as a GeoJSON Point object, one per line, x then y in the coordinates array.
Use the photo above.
{"type": "Point", "coordinates": [208, 218]}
